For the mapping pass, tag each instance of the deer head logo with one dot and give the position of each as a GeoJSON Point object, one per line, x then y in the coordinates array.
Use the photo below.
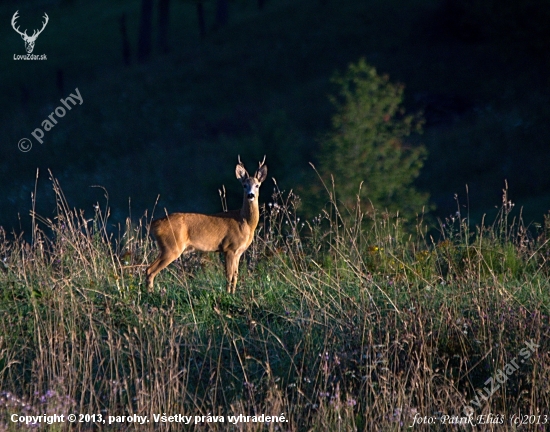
{"type": "Point", "coordinates": [29, 40]}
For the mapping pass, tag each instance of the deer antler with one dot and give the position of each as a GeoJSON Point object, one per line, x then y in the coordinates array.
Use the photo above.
{"type": "Point", "coordinates": [47, 18]}
{"type": "Point", "coordinates": [262, 163]}
{"type": "Point", "coordinates": [14, 18]}
{"type": "Point", "coordinates": [24, 34]}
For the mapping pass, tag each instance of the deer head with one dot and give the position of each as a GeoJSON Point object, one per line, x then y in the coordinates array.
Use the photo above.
{"type": "Point", "coordinates": [29, 40]}
{"type": "Point", "coordinates": [251, 185]}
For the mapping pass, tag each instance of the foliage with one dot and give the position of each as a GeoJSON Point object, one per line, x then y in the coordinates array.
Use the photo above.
{"type": "Point", "coordinates": [367, 145]}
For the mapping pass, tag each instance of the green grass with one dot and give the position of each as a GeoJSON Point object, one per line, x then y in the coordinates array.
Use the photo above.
{"type": "Point", "coordinates": [339, 323]}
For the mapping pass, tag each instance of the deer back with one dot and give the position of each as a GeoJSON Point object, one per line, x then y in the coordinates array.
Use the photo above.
{"type": "Point", "coordinates": [207, 233]}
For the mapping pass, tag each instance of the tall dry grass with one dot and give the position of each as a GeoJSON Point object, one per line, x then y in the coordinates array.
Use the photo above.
{"type": "Point", "coordinates": [346, 322]}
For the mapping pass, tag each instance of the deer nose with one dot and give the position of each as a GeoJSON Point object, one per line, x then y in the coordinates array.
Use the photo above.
{"type": "Point", "coordinates": [250, 196]}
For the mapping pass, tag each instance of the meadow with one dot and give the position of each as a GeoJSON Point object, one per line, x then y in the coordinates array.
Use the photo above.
{"type": "Point", "coordinates": [344, 319]}
{"type": "Point", "coordinates": [349, 321]}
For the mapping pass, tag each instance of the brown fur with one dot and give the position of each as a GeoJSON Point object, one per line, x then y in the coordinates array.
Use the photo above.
{"type": "Point", "coordinates": [230, 233]}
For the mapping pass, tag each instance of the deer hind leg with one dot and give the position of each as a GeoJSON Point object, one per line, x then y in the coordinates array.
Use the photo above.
{"type": "Point", "coordinates": [166, 256]}
{"type": "Point", "coordinates": [160, 263]}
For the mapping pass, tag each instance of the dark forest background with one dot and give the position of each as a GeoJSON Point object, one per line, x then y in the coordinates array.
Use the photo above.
{"type": "Point", "coordinates": [174, 90]}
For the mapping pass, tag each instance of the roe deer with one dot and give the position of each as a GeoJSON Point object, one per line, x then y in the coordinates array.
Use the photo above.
{"type": "Point", "coordinates": [230, 233]}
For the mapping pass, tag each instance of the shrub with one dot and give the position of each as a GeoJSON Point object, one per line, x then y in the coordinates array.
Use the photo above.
{"type": "Point", "coordinates": [367, 144]}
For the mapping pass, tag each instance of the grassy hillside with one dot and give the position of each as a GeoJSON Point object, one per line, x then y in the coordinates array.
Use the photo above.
{"type": "Point", "coordinates": [341, 321]}
{"type": "Point", "coordinates": [335, 325]}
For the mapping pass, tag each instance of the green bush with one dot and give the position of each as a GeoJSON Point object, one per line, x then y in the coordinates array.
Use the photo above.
{"type": "Point", "coordinates": [367, 145]}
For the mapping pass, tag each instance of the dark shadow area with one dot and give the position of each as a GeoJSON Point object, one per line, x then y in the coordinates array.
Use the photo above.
{"type": "Point", "coordinates": [173, 91]}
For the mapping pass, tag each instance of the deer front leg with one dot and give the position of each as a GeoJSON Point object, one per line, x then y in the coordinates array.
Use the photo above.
{"type": "Point", "coordinates": [229, 269]}
{"type": "Point", "coordinates": [232, 270]}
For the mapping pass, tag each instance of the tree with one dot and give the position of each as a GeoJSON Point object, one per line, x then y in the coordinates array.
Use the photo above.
{"type": "Point", "coordinates": [163, 24]}
{"type": "Point", "coordinates": [202, 20]}
{"type": "Point", "coordinates": [125, 40]}
{"type": "Point", "coordinates": [222, 13]}
{"type": "Point", "coordinates": [367, 144]}
{"type": "Point", "coordinates": [145, 30]}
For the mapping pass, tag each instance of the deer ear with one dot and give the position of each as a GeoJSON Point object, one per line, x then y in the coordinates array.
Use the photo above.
{"type": "Point", "coordinates": [261, 174]}
{"type": "Point", "coordinates": [240, 172]}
